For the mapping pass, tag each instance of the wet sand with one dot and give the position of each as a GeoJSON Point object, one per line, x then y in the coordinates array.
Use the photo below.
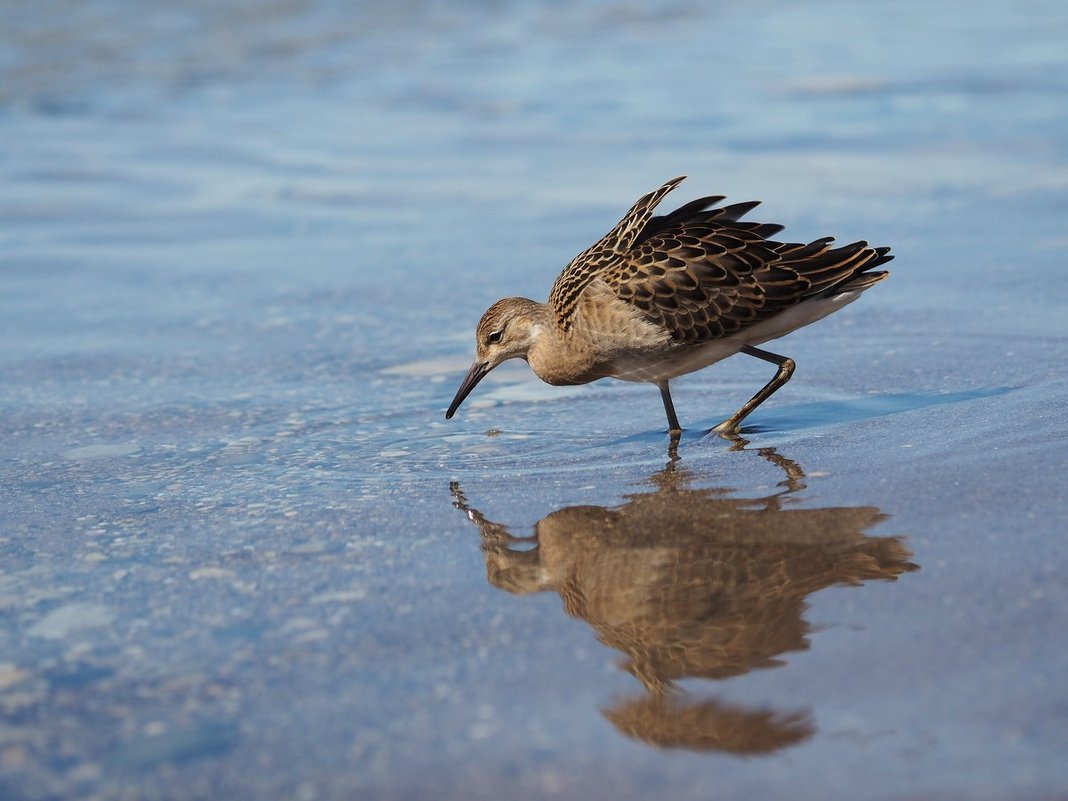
{"type": "Point", "coordinates": [243, 556]}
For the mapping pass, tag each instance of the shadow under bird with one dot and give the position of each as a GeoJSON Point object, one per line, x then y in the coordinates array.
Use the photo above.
{"type": "Point", "coordinates": [659, 297]}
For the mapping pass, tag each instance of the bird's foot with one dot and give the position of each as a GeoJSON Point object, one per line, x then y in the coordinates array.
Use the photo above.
{"type": "Point", "coordinates": [730, 433]}
{"type": "Point", "coordinates": [728, 428]}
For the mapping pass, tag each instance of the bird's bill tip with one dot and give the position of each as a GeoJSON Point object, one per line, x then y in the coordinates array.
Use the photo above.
{"type": "Point", "coordinates": [474, 375]}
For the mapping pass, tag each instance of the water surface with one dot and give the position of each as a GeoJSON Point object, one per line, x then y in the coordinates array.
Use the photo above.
{"type": "Point", "coordinates": [242, 555]}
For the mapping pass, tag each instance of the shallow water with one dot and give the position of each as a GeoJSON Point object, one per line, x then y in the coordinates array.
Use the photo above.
{"type": "Point", "coordinates": [243, 556]}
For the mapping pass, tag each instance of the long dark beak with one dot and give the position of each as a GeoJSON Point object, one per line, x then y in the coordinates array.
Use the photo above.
{"type": "Point", "coordinates": [474, 375]}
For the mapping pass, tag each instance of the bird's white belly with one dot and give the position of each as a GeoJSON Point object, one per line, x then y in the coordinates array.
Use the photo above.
{"type": "Point", "coordinates": [673, 362]}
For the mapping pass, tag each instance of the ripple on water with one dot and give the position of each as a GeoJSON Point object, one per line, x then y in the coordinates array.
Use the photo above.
{"type": "Point", "coordinates": [494, 433]}
{"type": "Point", "coordinates": [102, 451]}
{"type": "Point", "coordinates": [512, 453]}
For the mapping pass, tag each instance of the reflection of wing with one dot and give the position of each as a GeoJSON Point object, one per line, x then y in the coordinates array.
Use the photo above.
{"type": "Point", "coordinates": [669, 722]}
{"type": "Point", "coordinates": [687, 585]}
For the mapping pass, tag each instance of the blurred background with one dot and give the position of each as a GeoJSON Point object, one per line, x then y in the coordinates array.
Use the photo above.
{"type": "Point", "coordinates": [243, 247]}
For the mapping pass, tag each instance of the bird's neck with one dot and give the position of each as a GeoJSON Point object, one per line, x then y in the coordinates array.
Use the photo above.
{"type": "Point", "coordinates": [556, 356]}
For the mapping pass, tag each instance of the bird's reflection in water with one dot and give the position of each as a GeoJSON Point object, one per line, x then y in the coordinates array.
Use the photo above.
{"type": "Point", "coordinates": [695, 583]}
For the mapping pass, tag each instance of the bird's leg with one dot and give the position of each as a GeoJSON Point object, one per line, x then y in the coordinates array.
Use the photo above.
{"type": "Point", "coordinates": [786, 369]}
{"type": "Point", "coordinates": [669, 407]}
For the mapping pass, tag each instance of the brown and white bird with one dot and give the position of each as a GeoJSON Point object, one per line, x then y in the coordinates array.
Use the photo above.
{"type": "Point", "coordinates": [659, 297]}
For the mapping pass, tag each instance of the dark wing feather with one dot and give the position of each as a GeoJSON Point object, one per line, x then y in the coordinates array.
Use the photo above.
{"type": "Point", "coordinates": [606, 253]}
{"type": "Point", "coordinates": [703, 273]}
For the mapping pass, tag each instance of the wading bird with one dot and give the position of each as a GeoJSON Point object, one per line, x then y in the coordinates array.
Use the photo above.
{"type": "Point", "coordinates": [659, 297]}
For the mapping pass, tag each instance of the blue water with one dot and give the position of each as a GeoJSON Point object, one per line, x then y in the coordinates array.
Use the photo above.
{"type": "Point", "coordinates": [243, 248]}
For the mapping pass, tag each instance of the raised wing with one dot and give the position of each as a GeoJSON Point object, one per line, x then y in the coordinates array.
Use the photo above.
{"type": "Point", "coordinates": [605, 254]}
{"type": "Point", "coordinates": [703, 274]}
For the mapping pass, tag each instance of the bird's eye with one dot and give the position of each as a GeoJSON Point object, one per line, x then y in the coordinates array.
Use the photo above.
{"type": "Point", "coordinates": [495, 337]}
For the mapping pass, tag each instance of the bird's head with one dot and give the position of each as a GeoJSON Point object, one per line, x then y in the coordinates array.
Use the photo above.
{"type": "Point", "coordinates": [506, 331]}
